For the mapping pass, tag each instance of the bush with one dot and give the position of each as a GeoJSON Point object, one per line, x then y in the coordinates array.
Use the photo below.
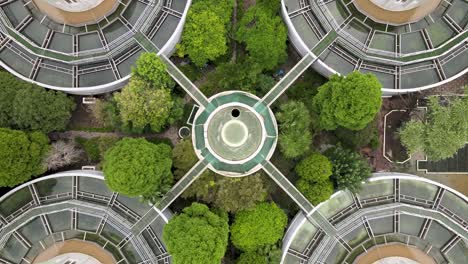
{"type": "Point", "coordinates": [197, 235]}
{"type": "Point", "coordinates": [258, 227]}
{"type": "Point", "coordinates": [369, 136]}
{"type": "Point", "coordinates": [349, 169]}
{"type": "Point", "coordinates": [151, 69]}
{"type": "Point", "coordinates": [22, 156]}
{"type": "Point", "coordinates": [251, 258]}
{"type": "Point", "coordinates": [136, 167]}
{"type": "Point", "coordinates": [351, 102]}
{"type": "Point", "coordinates": [62, 154]}
{"type": "Point", "coordinates": [443, 134]}
{"type": "Point", "coordinates": [183, 157]}
{"type": "Point", "coordinates": [314, 182]}
{"type": "Point", "coordinates": [294, 126]}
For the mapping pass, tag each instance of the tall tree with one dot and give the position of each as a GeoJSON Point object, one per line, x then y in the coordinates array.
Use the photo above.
{"type": "Point", "coordinates": [314, 182]}
{"type": "Point", "coordinates": [9, 86]}
{"type": "Point", "coordinates": [184, 157]}
{"type": "Point", "coordinates": [264, 35]}
{"type": "Point", "coordinates": [134, 166]}
{"type": "Point", "coordinates": [351, 102]}
{"type": "Point", "coordinates": [258, 227]}
{"type": "Point", "coordinates": [294, 126]}
{"type": "Point", "coordinates": [35, 108]}
{"type": "Point", "coordinates": [22, 156]}
{"type": "Point", "coordinates": [444, 132]}
{"type": "Point", "coordinates": [349, 168]}
{"type": "Point", "coordinates": [151, 69]}
{"type": "Point", "coordinates": [205, 32]}
{"type": "Point", "coordinates": [229, 194]}
{"type": "Point", "coordinates": [141, 105]}
{"type": "Point", "coordinates": [197, 235]}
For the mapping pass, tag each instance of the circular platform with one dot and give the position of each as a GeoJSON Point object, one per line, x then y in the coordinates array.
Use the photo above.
{"type": "Point", "coordinates": [85, 13]}
{"type": "Point", "coordinates": [396, 12]}
{"type": "Point", "coordinates": [235, 133]}
{"type": "Point", "coordinates": [75, 250]}
{"type": "Point", "coordinates": [394, 253]}
{"type": "Point", "coordinates": [75, 5]}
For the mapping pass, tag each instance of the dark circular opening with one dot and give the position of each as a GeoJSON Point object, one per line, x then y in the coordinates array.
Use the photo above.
{"type": "Point", "coordinates": [235, 112]}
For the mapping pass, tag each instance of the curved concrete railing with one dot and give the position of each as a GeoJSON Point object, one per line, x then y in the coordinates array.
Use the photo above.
{"type": "Point", "coordinates": [300, 218]}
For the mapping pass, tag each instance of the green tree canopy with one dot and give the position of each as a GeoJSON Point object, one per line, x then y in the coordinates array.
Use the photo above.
{"type": "Point", "coordinates": [205, 32]}
{"type": "Point", "coordinates": [35, 108]}
{"type": "Point", "coordinates": [197, 235]}
{"type": "Point", "coordinates": [315, 167]}
{"type": "Point", "coordinates": [151, 69]}
{"type": "Point", "coordinates": [252, 258]}
{"type": "Point", "coordinates": [264, 35]}
{"type": "Point", "coordinates": [294, 126]}
{"type": "Point", "coordinates": [314, 182]}
{"type": "Point", "coordinates": [351, 102]}
{"type": "Point", "coordinates": [141, 105]}
{"type": "Point", "coordinates": [134, 166]}
{"type": "Point", "coordinates": [21, 156]}
{"type": "Point", "coordinates": [444, 132]}
{"type": "Point", "coordinates": [315, 192]}
{"type": "Point", "coordinates": [349, 168]}
{"type": "Point", "coordinates": [229, 194]}
{"type": "Point", "coordinates": [9, 86]}
{"type": "Point", "coordinates": [258, 227]}
{"type": "Point", "coordinates": [183, 157]}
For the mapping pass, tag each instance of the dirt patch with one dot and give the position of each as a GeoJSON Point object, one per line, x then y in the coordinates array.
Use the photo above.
{"type": "Point", "coordinates": [394, 150]}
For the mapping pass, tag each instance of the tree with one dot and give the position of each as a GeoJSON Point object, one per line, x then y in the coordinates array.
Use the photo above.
{"type": "Point", "coordinates": [62, 154]}
{"type": "Point", "coordinates": [315, 167]}
{"type": "Point", "coordinates": [351, 102]}
{"type": "Point", "coordinates": [315, 192]}
{"type": "Point", "coordinates": [35, 108]}
{"type": "Point", "coordinates": [294, 125]}
{"type": "Point", "coordinates": [251, 258]}
{"type": "Point", "coordinates": [134, 166]}
{"type": "Point", "coordinates": [141, 105]}
{"type": "Point", "coordinates": [314, 182]}
{"type": "Point", "coordinates": [260, 226]}
{"type": "Point", "coordinates": [349, 169]}
{"type": "Point", "coordinates": [264, 35]}
{"type": "Point", "coordinates": [412, 136]}
{"type": "Point", "coordinates": [205, 32]}
{"type": "Point", "coordinates": [443, 134]}
{"type": "Point", "coordinates": [229, 194]}
{"type": "Point", "coordinates": [21, 156]}
{"type": "Point", "coordinates": [183, 157]}
{"type": "Point", "coordinates": [356, 139]}
{"type": "Point", "coordinates": [151, 69]}
{"type": "Point", "coordinates": [9, 86]}
{"type": "Point", "coordinates": [197, 235]}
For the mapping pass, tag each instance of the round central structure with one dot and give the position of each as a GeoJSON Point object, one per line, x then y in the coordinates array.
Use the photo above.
{"type": "Point", "coordinates": [75, 5]}
{"type": "Point", "coordinates": [235, 133]}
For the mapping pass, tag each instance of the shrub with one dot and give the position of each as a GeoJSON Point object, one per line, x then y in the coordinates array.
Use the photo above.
{"type": "Point", "coordinates": [197, 235]}
{"type": "Point", "coordinates": [21, 156]}
{"type": "Point", "coordinates": [134, 166]}
{"type": "Point", "coordinates": [258, 227]}
{"type": "Point", "coordinates": [62, 154]}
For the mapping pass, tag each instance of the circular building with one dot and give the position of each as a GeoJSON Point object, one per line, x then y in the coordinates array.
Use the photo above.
{"type": "Point", "coordinates": [85, 46]}
{"type": "Point", "coordinates": [394, 217]}
{"type": "Point", "coordinates": [235, 133]}
{"type": "Point", "coordinates": [73, 216]}
{"type": "Point", "coordinates": [409, 45]}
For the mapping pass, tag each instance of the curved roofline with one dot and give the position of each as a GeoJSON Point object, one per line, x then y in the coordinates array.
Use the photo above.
{"type": "Point", "coordinates": [300, 218]}
{"type": "Point", "coordinates": [167, 49]}
{"type": "Point", "coordinates": [71, 173]}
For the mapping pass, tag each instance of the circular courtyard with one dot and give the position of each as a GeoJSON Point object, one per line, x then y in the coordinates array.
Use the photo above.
{"type": "Point", "coordinates": [235, 133]}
